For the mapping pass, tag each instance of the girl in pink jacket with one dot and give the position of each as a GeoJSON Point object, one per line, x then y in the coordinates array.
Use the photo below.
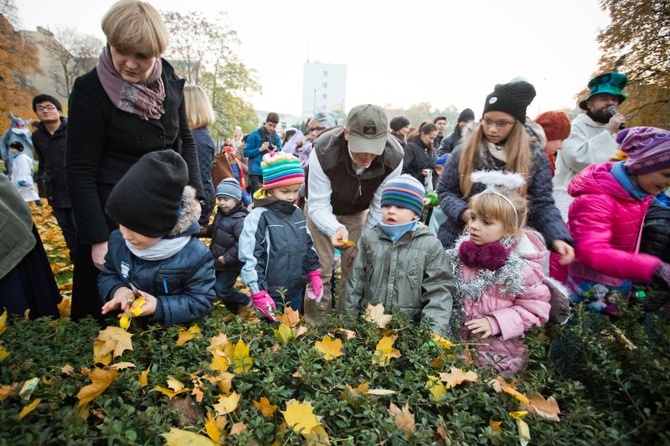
{"type": "Point", "coordinates": [500, 290]}
{"type": "Point", "coordinates": [607, 214]}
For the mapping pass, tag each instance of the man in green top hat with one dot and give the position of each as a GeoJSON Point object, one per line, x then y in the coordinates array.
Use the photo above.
{"type": "Point", "coordinates": [593, 133]}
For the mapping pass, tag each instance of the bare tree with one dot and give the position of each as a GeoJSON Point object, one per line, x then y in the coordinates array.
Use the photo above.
{"type": "Point", "coordinates": [10, 11]}
{"type": "Point", "coordinates": [75, 53]}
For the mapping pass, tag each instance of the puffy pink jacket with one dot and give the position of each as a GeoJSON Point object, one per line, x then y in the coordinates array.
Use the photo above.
{"type": "Point", "coordinates": [510, 316]}
{"type": "Point", "coordinates": [605, 222]}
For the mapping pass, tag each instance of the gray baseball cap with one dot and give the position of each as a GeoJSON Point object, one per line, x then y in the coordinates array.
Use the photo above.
{"type": "Point", "coordinates": [367, 125]}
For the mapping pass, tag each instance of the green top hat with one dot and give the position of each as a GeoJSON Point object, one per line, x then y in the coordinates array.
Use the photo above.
{"type": "Point", "coordinates": [609, 83]}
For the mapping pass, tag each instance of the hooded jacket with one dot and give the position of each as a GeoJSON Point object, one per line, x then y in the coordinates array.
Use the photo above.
{"type": "Point", "coordinates": [410, 276]}
{"type": "Point", "coordinates": [225, 233]}
{"type": "Point", "coordinates": [513, 299]}
{"type": "Point", "coordinates": [605, 221]}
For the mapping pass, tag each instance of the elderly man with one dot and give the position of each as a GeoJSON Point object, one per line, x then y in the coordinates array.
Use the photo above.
{"type": "Point", "coordinates": [593, 135]}
{"type": "Point", "coordinates": [348, 169]}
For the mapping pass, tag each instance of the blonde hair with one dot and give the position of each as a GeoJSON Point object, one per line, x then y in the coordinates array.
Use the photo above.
{"type": "Point", "coordinates": [199, 109]}
{"type": "Point", "coordinates": [517, 149]}
{"type": "Point", "coordinates": [135, 27]}
{"type": "Point", "coordinates": [491, 205]}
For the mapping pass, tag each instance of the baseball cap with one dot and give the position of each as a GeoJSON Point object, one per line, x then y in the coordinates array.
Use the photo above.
{"type": "Point", "coordinates": [367, 125]}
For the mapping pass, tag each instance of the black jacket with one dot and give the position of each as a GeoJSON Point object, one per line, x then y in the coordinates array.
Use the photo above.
{"type": "Point", "coordinates": [418, 156]}
{"type": "Point", "coordinates": [103, 142]}
{"type": "Point", "coordinates": [50, 151]}
{"type": "Point", "coordinates": [225, 234]}
{"type": "Point", "coordinates": [656, 232]}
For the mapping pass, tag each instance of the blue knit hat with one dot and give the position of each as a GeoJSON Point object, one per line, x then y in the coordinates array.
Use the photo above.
{"type": "Point", "coordinates": [229, 188]}
{"type": "Point", "coordinates": [405, 192]}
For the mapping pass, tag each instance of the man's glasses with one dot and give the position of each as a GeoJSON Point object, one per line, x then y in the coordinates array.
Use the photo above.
{"type": "Point", "coordinates": [501, 124]}
{"type": "Point", "coordinates": [45, 108]}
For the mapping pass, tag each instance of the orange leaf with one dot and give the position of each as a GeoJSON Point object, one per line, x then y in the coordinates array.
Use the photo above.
{"type": "Point", "coordinates": [144, 378]}
{"type": "Point", "coordinates": [7, 391]}
{"type": "Point", "coordinates": [361, 390]}
{"type": "Point", "coordinates": [267, 409]}
{"type": "Point", "coordinates": [496, 426]}
{"type": "Point", "coordinates": [64, 307]}
{"type": "Point", "coordinates": [29, 408]}
{"type": "Point", "coordinates": [67, 369]}
{"type": "Point", "coordinates": [331, 348]}
{"type": "Point", "coordinates": [187, 335]}
{"type": "Point", "coordinates": [547, 409]}
{"type": "Point", "coordinates": [238, 428]}
{"type": "Point", "coordinates": [290, 317]}
{"type": "Point", "coordinates": [404, 419]}
{"type": "Point", "coordinates": [375, 313]}
{"type": "Point", "coordinates": [100, 380]}
{"type": "Point", "coordinates": [385, 351]}
{"type": "Point", "coordinates": [500, 385]}
{"type": "Point", "coordinates": [457, 376]}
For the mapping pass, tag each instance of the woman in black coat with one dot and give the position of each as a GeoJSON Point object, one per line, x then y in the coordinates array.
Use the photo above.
{"type": "Point", "coordinates": [420, 155]}
{"type": "Point", "coordinates": [132, 103]}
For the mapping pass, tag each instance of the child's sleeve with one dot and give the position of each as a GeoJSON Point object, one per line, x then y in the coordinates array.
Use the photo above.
{"type": "Point", "coordinates": [531, 308]}
{"type": "Point", "coordinates": [251, 251]}
{"type": "Point", "coordinates": [197, 297]}
{"type": "Point", "coordinates": [231, 256]}
{"type": "Point", "coordinates": [437, 291]}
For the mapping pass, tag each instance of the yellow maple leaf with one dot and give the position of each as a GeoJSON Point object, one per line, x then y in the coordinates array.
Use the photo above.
{"type": "Point", "coordinates": [300, 417]}
{"type": "Point", "coordinates": [29, 408]}
{"type": "Point", "coordinates": [227, 404]}
{"type": "Point", "coordinates": [500, 385]}
{"type": "Point", "coordinates": [290, 317]}
{"type": "Point", "coordinates": [3, 353]}
{"type": "Point", "coordinates": [385, 351]}
{"type": "Point", "coordinates": [3, 322]}
{"type": "Point", "coordinates": [214, 426]}
{"type": "Point", "coordinates": [179, 437]}
{"type": "Point", "coordinates": [283, 333]}
{"type": "Point", "coordinates": [267, 409]}
{"type": "Point", "coordinates": [113, 340]}
{"type": "Point", "coordinates": [456, 376]}
{"type": "Point", "coordinates": [225, 382]}
{"type": "Point", "coordinates": [241, 361]}
{"type": "Point", "coordinates": [175, 387]}
{"type": "Point", "coordinates": [544, 408]}
{"type": "Point", "coordinates": [100, 380]}
{"type": "Point", "coordinates": [218, 342]}
{"type": "Point", "coordinates": [144, 378]}
{"type": "Point", "coordinates": [375, 313]}
{"type": "Point", "coordinates": [331, 348]}
{"type": "Point", "coordinates": [317, 437]}
{"type": "Point", "coordinates": [219, 361]}
{"type": "Point", "coordinates": [186, 335]}
{"type": "Point", "coordinates": [436, 388]}
{"type": "Point", "coordinates": [496, 426]}
{"type": "Point", "coordinates": [404, 419]}
{"type": "Point", "coordinates": [361, 390]}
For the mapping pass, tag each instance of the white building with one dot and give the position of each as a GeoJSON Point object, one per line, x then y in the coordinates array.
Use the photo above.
{"type": "Point", "coordinates": [323, 87]}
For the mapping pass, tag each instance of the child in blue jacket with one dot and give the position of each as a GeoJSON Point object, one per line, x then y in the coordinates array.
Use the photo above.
{"type": "Point", "coordinates": [275, 246]}
{"type": "Point", "coordinates": [155, 249]}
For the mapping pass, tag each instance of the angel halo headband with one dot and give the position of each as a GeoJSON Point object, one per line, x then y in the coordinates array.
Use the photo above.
{"type": "Point", "coordinates": [494, 178]}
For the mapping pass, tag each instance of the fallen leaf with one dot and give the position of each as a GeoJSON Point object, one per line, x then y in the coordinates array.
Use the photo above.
{"type": "Point", "coordinates": [457, 376]}
{"type": "Point", "coordinates": [284, 333]}
{"type": "Point", "coordinates": [544, 408]}
{"type": "Point", "coordinates": [385, 351]}
{"type": "Point", "coordinates": [113, 340]}
{"type": "Point", "coordinates": [7, 391]}
{"type": "Point", "coordinates": [500, 385]}
{"type": "Point", "coordinates": [496, 426]}
{"type": "Point", "coordinates": [267, 409]}
{"type": "Point", "coordinates": [238, 428]}
{"type": "Point", "coordinates": [3, 353]}
{"type": "Point", "coordinates": [375, 313]}
{"type": "Point", "coordinates": [317, 437]}
{"type": "Point", "coordinates": [436, 388]}
{"type": "Point", "coordinates": [227, 404]}
{"type": "Point", "coordinates": [218, 342]}
{"type": "Point", "coordinates": [121, 365]}
{"type": "Point", "coordinates": [361, 390]}
{"type": "Point", "coordinates": [214, 426]}
{"type": "Point", "coordinates": [624, 339]}
{"type": "Point", "coordinates": [185, 336]}
{"type": "Point", "coordinates": [144, 378]}
{"type": "Point", "coordinates": [67, 369]}
{"type": "Point", "coordinates": [524, 432]}
{"type": "Point", "coordinates": [329, 347]}
{"type": "Point", "coordinates": [64, 307]}
{"type": "Point", "coordinates": [404, 419]}
{"type": "Point", "coordinates": [300, 417]}
{"type": "Point", "coordinates": [290, 317]}
{"type": "Point", "coordinates": [100, 380]}
{"type": "Point", "coordinates": [518, 414]}
{"type": "Point", "coordinates": [3, 322]}
{"type": "Point", "coordinates": [175, 387]}
{"type": "Point", "coordinates": [225, 382]}
{"type": "Point", "coordinates": [348, 334]}
{"type": "Point", "coordinates": [241, 361]}
{"type": "Point", "coordinates": [28, 388]}
{"type": "Point", "coordinates": [444, 343]}
{"type": "Point", "coordinates": [198, 394]}
{"type": "Point", "coordinates": [29, 408]}
{"type": "Point", "coordinates": [179, 437]}
{"type": "Point", "coordinates": [381, 392]}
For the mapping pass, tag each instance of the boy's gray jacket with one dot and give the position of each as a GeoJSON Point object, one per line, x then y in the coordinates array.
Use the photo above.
{"type": "Point", "coordinates": [410, 275]}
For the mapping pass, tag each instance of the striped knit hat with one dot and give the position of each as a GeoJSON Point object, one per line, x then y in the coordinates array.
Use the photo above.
{"type": "Point", "coordinates": [281, 169]}
{"type": "Point", "coordinates": [405, 192]}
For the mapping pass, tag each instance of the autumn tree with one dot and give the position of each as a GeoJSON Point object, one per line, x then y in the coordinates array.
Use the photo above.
{"type": "Point", "coordinates": [637, 43]}
{"type": "Point", "coordinates": [202, 51]}
{"type": "Point", "coordinates": [18, 59]}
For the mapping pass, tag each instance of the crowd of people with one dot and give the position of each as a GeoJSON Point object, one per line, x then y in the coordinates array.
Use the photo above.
{"type": "Point", "coordinates": [482, 233]}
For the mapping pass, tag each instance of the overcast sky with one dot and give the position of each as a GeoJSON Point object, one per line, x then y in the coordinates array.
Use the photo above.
{"type": "Point", "coordinates": [397, 53]}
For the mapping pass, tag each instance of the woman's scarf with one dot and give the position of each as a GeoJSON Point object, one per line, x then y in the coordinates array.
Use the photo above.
{"type": "Point", "coordinates": [144, 99]}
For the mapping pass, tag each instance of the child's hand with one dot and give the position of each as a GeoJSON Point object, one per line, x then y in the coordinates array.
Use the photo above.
{"type": "Point", "coordinates": [467, 214]}
{"type": "Point", "coordinates": [480, 326]}
{"type": "Point", "coordinates": [565, 251]}
{"type": "Point", "coordinates": [221, 259]}
{"type": "Point", "coordinates": [122, 299]}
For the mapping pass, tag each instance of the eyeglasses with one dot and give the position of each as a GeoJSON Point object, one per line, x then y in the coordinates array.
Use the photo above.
{"type": "Point", "coordinates": [45, 108]}
{"type": "Point", "coordinates": [501, 124]}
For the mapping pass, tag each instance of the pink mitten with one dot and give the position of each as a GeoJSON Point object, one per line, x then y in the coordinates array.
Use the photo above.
{"type": "Point", "coordinates": [264, 303]}
{"type": "Point", "coordinates": [317, 285]}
